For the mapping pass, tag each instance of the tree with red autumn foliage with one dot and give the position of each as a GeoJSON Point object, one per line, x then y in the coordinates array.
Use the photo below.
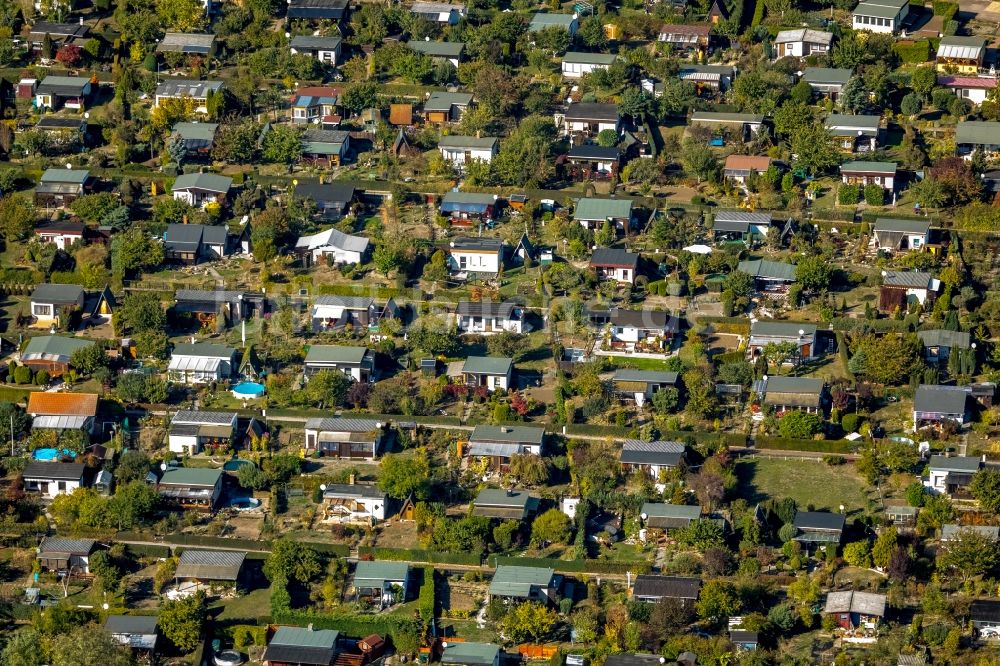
{"type": "Point", "coordinates": [69, 55]}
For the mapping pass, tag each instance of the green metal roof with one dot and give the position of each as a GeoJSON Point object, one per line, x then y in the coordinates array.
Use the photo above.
{"type": "Point", "coordinates": [458, 141]}
{"type": "Point", "coordinates": [773, 270]}
{"type": "Point", "coordinates": [978, 132]}
{"type": "Point", "coordinates": [305, 637]}
{"type": "Point", "coordinates": [55, 345]}
{"type": "Point", "coordinates": [212, 182]}
{"type": "Point", "coordinates": [438, 49]}
{"type": "Point", "coordinates": [376, 574]}
{"type": "Point", "coordinates": [516, 581]}
{"type": "Point", "coordinates": [473, 654]}
{"type": "Point", "coordinates": [664, 510]}
{"type": "Point", "coordinates": [196, 131]}
{"type": "Point", "coordinates": [802, 385]}
{"type": "Point", "coordinates": [945, 338]}
{"type": "Point", "coordinates": [905, 226]}
{"type": "Point", "coordinates": [827, 75]}
{"type": "Point", "coordinates": [488, 365]}
{"type": "Point", "coordinates": [781, 328]}
{"type": "Point", "coordinates": [540, 21]}
{"type": "Point", "coordinates": [513, 433]}
{"type": "Point", "coordinates": [500, 497]}
{"type": "Point", "coordinates": [78, 176]}
{"type": "Point", "coordinates": [335, 354]}
{"type": "Point", "coordinates": [603, 209]}
{"type": "Point", "coordinates": [590, 58]}
{"type": "Point", "coordinates": [647, 376]}
{"type": "Point", "coordinates": [191, 476]}
{"type": "Point", "coordinates": [869, 167]}
{"type": "Point", "coordinates": [205, 349]}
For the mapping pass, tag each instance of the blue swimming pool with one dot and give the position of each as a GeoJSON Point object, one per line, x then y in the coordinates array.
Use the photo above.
{"type": "Point", "coordinates": [235, 464]}
{"type": "Point", "coordinates": [248, 390]}
{"type": "Point", "coordinates": [245, 503]}
{"type": "Point", "coordinates": [52, 454]}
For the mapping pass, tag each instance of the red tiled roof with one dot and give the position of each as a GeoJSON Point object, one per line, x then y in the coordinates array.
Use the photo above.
{"type": "Point", "coordinates": [748, 162]}
{"type": "Point", "coordinates": [967, 82]}
{"type": "Point", "coordinates": [62, 404]}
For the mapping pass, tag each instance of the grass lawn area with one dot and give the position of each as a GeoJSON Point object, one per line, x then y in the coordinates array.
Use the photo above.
{"type": "Point", "coordinates": [806, 481]}
{"type": "Point", "coordinates": [245, 607]}
{"type": "Point", "coordinates": [627, 552]}
{"type": "Point", "coordinates": [469, 630]}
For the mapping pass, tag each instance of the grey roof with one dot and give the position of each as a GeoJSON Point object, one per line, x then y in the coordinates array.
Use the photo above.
{"type": "Point", "coordinates": [541, 20]}
{"type": "Point", "coordinates": [743, 216]}
{"type": "Point", "coordinates": [376, 574]}
{"type": "Point", "coordinates": [210, 564]}
{"type": "Point", "coordinates": [437, 49]}
{"type": "Point", "coordinates": [196, 131]}
{"type": "Point", "coordinates": [866, 123]}
{"type": "Point", "coordinates": [944, 338]}
{"type": "Point", "coordinates": [488, 365]}
{"type": "Point", "coordinates": [719, 117]}
{"type": "Point", "coordinates": [636, 452]}
{"type": "Point", "coordinates": [648, 376]}
{"type": "Point", "coordinates": [341, 490]}
{"type": "Point", "coordinates": [323, 142]}
{"type": "Point", "coordinates": [199, 417]}
{"type": "Point", "coordinates": [346, 302]}
{"type": "Point", "coordinates": [487, 308]}
{"type": "Point", "coordinates": [804, 35]}
{"type": "Point", "coordinates": [187, 42]}
{"type": "Point", "coordinates": [474, 142]}
{"type": "Point", "coordinates": [74, 176]}
{"type": "Point", "coordinates": [203, 349]}
{"type": "Point", "coordinates": [210, 182]}
{"type": "Point", "coordinates": [201, 296]}
{"type": "Point", "coordinates": [849, 601]}
{"type": "Point", "coordinates": [608, 256]}
{"type": "Point", "coordinates": [592, 111]}
{"type": "Point", "coordinates": [940, 399]}
{"type": "Point", "coordinates": [57, 293]}
{"type": "Point", "coordinates": [187, 88]}
{"type": "Point", "coordinates": [56, 471]}
{"type": "Point", "coordinates": [876, 9]}
{"type": "Point", "coordinates": [967, 464]}
{"type": "Point", "coordinates": [892, 224]}
{"type": "Point", "coordinates": [771, 270]}
{"type": "Point", "coordinates": [675, 587]}
{"type": "Point", "coordinates": [590, 58]}
{"type": "Point", "coordinates": [664, 510]}
{"type": "Point", "coordinates": [804, 385]}
{"type": "Point", "coordinates": [191, 477]}
{"type": "Point", "coordinates": [302, 645]}
{"type": "Point", "coordinates": [516, 581]}
{"type": "Point", "coordinates": [53, 348]}
{"type": "Point", "coordinates": [819, 520]}
{"type": "Point", "coordinates": [63, 85]}
{"type": "Point", "coordinates": [472, 198]}
{"type": "Point", "coordinates": [310, 42]}
{"type": "Point", "coordinates": [513, 434]}
{"type": "Point", "coordinates": [909, 279]}
{"type": "Point", "coordinates": [951, 531]}
{"type": "Point", "coordinates": [783, 329]}
{"type": "Point", "coordinates": [61, 123]}
{"type": "Point", "coordinates": [58, 30]}
{"type": "Point", "coordinates": [335, 354]}
{"type": "Point", "coordinates": [61, 546]}
{"type": "Point", "coordinates": [337, 424]}
{"type": "Point", "coordinates": [862, 166]}
{"type": "Point", "coordinates": [826, 75]}
{"type": "Point", "coordinates": [496, 497]}
{"type": "Point", "coordinates": [592, 151]}
{"type": "Point", "coordinates": [131, 624]}
{"type": "Point", "coordinates": [978, 132]}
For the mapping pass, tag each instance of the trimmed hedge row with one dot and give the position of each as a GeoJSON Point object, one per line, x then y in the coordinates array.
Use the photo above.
{"type": "Point", "coordinates": [147, 550]}
{"type": "Point", "coordinates": [913, 53]}
{"type": "Point", "coordinates": [806, 445]}
{"type": "Point", "coordinates": [356, 290]}
{"type": "Point", "coordinates": [426, 599]}
{"type": "Point", "coordinates": [595, 430]}
{"type": "Point", "coordinates": [420, 555]}
{"type": "Point", "coordinates": [573, 566]}
{"type": "Point", "coordinates": [946, 10]}
{"type": "Point", "coordinates": [277, 414]}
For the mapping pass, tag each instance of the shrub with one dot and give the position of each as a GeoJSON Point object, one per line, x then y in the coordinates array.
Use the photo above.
{"type": "Point", "coordinates": [942, 98]}
{"type": "Point", "coordinates": [22, 375]}
{"type": "Point", "coordinates": [946, 10]}
{"type": "Point", "coordinates": [850, 422]}
{"type": "Point", "coordinates": [42, 377]}
{"type": "Point", "coordinates": [848, 195]}
{"type": "Point", "coordinates": [874, 195]}
{"type": "Point", "coordinates": [911, 104]}
{"type": "Point", "coordinates": [913, 52]}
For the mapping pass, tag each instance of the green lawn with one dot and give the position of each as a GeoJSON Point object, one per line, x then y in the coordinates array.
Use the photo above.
{"type": "Point", "coordinates": [245, 607]}
{"type": "Point", "coordinates": [806, 481]}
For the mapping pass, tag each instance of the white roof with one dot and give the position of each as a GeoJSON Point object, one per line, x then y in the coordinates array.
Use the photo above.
{"type": "Point", "coordinates": [59, 422]}
{"type": "Point", "coordinates": [194, 363]}
{"type": "Point", "coordinates": [804, 35]}
{"type": "Point", "coordinates": [333, 238]}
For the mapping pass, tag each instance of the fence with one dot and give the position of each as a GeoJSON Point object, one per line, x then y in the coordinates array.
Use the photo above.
{"type": "Point", "coordinates": [805, 445]}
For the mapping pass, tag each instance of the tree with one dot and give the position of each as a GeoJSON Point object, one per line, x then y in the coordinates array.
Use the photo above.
{"type": "Point", "coordinates": [885, 546]}
{"type": "Point", "coordinates": [133, 466]}
{"type": "Point", "coordinates": [791, 117]}
{"type": "Point", "coordinates": [708, 487]}
{"type": "Point", "coordinates": [360, 96]}
{"type": "Point", "coordinates": [506, 343]}
{"type": "Point", "coordinates": [969, 554]}
{"type": "Point", "coordinates": [802, 92]}
{"type": "Point", "coordinates": [404, 474]}
{"type": "Point", "coordinates": [985, 488]}
{"type": "Point", "coordinates": [591, 32]}
{"type": "Point", "coordinates": [698, 159]}
{"type": "Point", "coordinates": [666, 400]}
{"type": "Point", "coordinates": [607, 138]}
{"type": "Point", "coordinates": [17, 217]}
{"type": "Point", "coordinates": [911, 104]}
{"type": "Point", "coordinates": [529, 621]}
{"type": "Point", "coordinates": [327, 388]}
{"type": "Point", "coordinates": [283, 145]}
{"type": "Point", "coordinates": [528, 468]}
{"type": "Point", "coordinates": [701, 534]}
{"type": "Point", "coordinates": [132, 503]}
{"type": "Point", "coordinates": [799, 425]}
{"type": "Point", "coordinates": [813, 273]}
{"type": "Point", "coordinates": [958, 179]}
{"type": "Point", "coordinates": [718, 599]}
{"type": "Point", "coordinates": [69, 55]}
{"type": "Point", "coordinates": [236, 142]}
{"type": "Point", "coordinates": [888, 359]}
{"type": "Point", "coordinates": [89, 359]}
{"type": "Point", "coordinates": [13, 418]}
{"type": "Point", "coordinates": [550, 527]}
{"type": "Point", "coordinates": [433, 335]}
{"type": "Point", "coordinates": [136, 387]}
{"type": "Point", "coordinates": [141, 312]}
{"type": "Point", "coordinates": [134, 250]}
{"type": "Point", "coordinates": [814, 149]}
{"type": "Point", "coordinates": [636, 103]}
{"type": "Point", "coordinates": [181, 620]}
{"type": "Point", "coordinates": [858, 554]}
{"type": "Point", "coordinates": [181, 15]}
{"type": "Point", "coordinates": [24, 648]}
{"type": "Point", "coordinates": [386, 259]}
{"type": "Point", "coordinates": [291, 560]}
{"type": "Point", "coordinates": [923, 80]}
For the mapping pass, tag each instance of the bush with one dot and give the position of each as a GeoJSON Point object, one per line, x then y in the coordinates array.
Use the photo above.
{"type": "Point", "coordinates": [42, 378]}
{"type": "Point", "coordinates": [874, 195]}
{"type": "Point", "coordinates": [850, 422]}
{"type": "Point", "coordinates": [942, 98]}
{"type": "Point", "coordinates": [799, 425]}
{"type": "Point", "coordinates": [848, 195]}
{"type": "Point", "coordinates": [911, 104]}
{"type": "Point", "coordinates": [914, 53]}
{"type": "Point", "coordinates": [22, 375]}
{"type": "Point", "coordinates": [946, 10]}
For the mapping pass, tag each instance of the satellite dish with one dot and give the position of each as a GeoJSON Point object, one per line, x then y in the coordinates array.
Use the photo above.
{"type": "Point", "coordinates": [322, 487]}
{"type": "Point", "coordinates": [802, 332]}
{"type": "Point", "coordinates": [643, 516]}
{"type": "Point", "coordinates": [163, 467]}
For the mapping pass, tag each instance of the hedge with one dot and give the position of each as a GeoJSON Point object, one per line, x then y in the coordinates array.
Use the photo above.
{"type": "Point", "coordinates": [806, 445]}
{"type": "Point", "coordinates": [147, 550]}
{"type": "Point", "coordinates": [594, 430]}
{"type": "Point", "coordinates": [914, 52]}
{"type": "Point", "coordinates": [842, 353]}
{"type": "Point", "coordinates": [946, 10]}
{"type": "Point", "coordinates": [356, 290]}
{"type": "Point", "coordinates": [882, 325]}
{"type": "Point", "coordinates": [758, 14]}
{"type": "Point", "coordinates": [426, 600]}
{"type": "Point", "coordinates": [278, 413]}
{"type": "Point", "coordinates": [728, 357]}
{"type": "Point", "coordinates": [740, 325]}
{"type": "Point", "coordinates": [419, 555]}
{"type": "Point", "coordinates": [573, 566]}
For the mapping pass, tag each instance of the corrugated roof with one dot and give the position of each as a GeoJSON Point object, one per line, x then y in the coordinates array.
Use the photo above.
{"type": "Point", "coordinates": [62, 546]}
{"type": "Point", "coordinates": [646, 376]}
{"type": "Point", "coordinates": [876, 10]}
{"type": "Point", "coordinates": [936, 399]}
{"type": "Point", "coordinates": [859, 166]}
{"type": "Point", "coordinates": [905, 226]}
{"type": "Point", "coordinates": [474, 142]}
{"type": "Point", "coordinates": [470, 653]}
{"type": "Point", "coordinates": [194, 364]}
{"type": "Point", "coordinates": [337, 424]}
{"type": "Point", "coordinates": [615, 257]}
{"type": "Point", "coordinates": [590, 58]}
{"type": "Point", "coordinates": [335, 354]}
{"type": "Point", "coordinates": [62, 404]}
{"type": "Point", "coordinates": [203, 349]}
{"type": "Point", "coordinates": [944, 338]}
{"type": "Point", "coordinates": [675, 587]}
{"type": "Point", "coordinates": [803, 35]}
{"type": "Point", "coordinates": [210, 182]}
{"type": "Point", "coordinates": [978, 132]}
{"type": "Point", "coordinates": [955, 463]}
{"type": "Point", "coordinates": [743, 216]}
{"type": "Point", "coordinates": [74, 176]}
{"type": "Point", "coordinates": [787, 329]}
{"type": "Point", "coordinates": [540, 21]}
{"type": "Point", "coordinates": [961, 48]}
{"type": "Point", "coordinates": [36, 469]}
{"type": "Point", "coordinates": [592, 208]}
{"type": "Point", "coordinates": [57, 293]}
{"type": "Point", "coordinates": [664, 510]}
{"type": "Point", "coordinates": [376, 574]}
{"type": "Point", "coordinates": [53, 348]}
{"type": "Point", "coordinates": [908, 279]}
{"type": "Point", "coordinates": [190, 476]}
{"type": "Point", "coordinates": [770, 270]}
{"type": "Point", "coordinates": [210, 564]}
{"type": "Point", "coordinates": [203, 418]}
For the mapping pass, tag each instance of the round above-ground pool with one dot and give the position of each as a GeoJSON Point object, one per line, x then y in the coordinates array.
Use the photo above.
{"type": "Point", "coordinates": [52, 454]}
{"type": "Point", "coordinates": [248, 390]}
{"type": "Point", "coordinates": [235, 464]}
{"type": "Point", "coordinates": [245, 503]}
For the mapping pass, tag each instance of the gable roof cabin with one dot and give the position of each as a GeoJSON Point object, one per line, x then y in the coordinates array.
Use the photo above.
{"type": "Point", "coordinates": [638, 453]}
{"type": "Point", "coordinates": [317, 9]}
{"type": "Point", "coordinates": [643, 381]}
{"type": "Point", "coordinates": [652, 588]}
{"type": "Point", "coordinates": [446, 50]}
{"type": "Point", "coordinates": [899, 234]}
{"type": "Point", "coordinates": [181, 88]}
{"type": "Point", "coordinates": [786, 393]}
{"type": "Point", "coordinates": [504, 504]}
{"type": "Point", "coordinates": [379, 575]}
{"type": "Point", "coordinates": [344, 248]}
{"type": "Point", "coordinates": [62, 186]}
{"type": "Point", "coordinates": [315, 43]}
{"type": "Point", "coordinates": [543, 20]}
{"type": "Point", "coordinates": [951, 531]}
{"type": "Point", "coordinates": [58, 32]}
{"type": "Point", "coordinates": [52, 352]}
{"type": "Point", "coordinates": [827, 79]}
{"type": "Point", "coordinates": [613, 257]}
{"type": "Point", "coordinates": [194, 487]}
{"type": "Point", "coordinates": [197, 137]}
{"type": "Point", "coordinates": [592, 112]}
{"type": "Point", "coordinates": [945, 338]}
{"type": "Point", "coordinates": [469, 205]}
{"type": "Point", "coordinates": [592, 212]}
{"type": "Point", "coordinates": [805, 35]}
{"type": "Point", "coordinates": [664, 516]}
{"type": "Point", "coordinates": [62, 411]}
{"type": "Point", "coordinates": [517, 582]}
{"type": "Point", "coordinates": [934, 403]}
{"type": "Point", "coordinates": [504, 441]}
{"type": "Point", "coordinates": [468, 653]}
{"type": "Point", "coordinates": [205, 565]}
{"type": "Point", "coordinates": [685, 34]}
{"type": "Point", "coordinates": [768, 271]}
{"type": "Point", "coordinates": [488, 365]}
{"type": "Point", "coordinates": [57, 553]}
{"type": "Point", "coordinates": [851, 601]}
{"type": "Point", "coordinates": [191, 242]}
{"type": "Point", "coordinates": [332, 199]}
{"type": "Point", "coordinates": [187, 42]}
